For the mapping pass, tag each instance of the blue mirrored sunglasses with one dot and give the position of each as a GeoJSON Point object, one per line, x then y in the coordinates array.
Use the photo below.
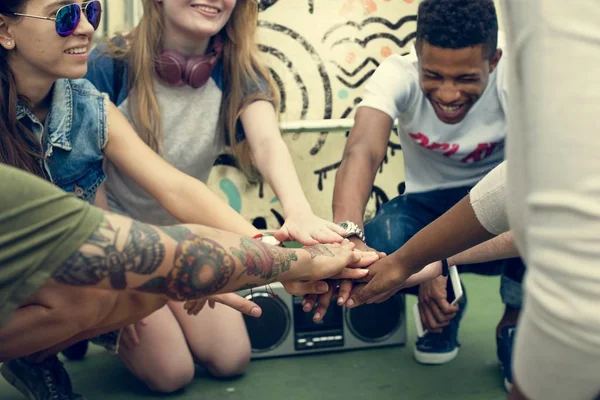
{"type": "Point", "coordinates": [68, 17]}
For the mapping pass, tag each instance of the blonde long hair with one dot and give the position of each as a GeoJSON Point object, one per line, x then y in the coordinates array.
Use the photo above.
{"type": "Point", "coordinates": [242, 69]}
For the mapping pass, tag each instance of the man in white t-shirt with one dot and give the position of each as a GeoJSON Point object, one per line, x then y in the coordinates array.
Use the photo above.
{"type": "Point", "coordinates": [449, 96]}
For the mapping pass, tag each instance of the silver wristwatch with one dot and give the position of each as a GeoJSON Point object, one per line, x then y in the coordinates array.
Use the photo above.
{"type": "Point", "coordinates": [352, 229]}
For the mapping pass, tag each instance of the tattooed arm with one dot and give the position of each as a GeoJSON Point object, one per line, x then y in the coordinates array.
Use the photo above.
{"type": "Point", "coordinates": [190, 261]}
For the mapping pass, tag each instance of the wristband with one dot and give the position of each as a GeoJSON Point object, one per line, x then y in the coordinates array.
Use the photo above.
{"type": "Point", "coordinates": [267, 239]}
{"type": "Point", "coordinates": [445, 267]}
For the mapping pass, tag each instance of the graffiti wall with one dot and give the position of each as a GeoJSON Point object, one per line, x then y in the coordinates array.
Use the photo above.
{"type": "Point", "coordinates": [321, 53]}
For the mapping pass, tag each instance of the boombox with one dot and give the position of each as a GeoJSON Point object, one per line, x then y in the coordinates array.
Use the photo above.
{"type": "Point", "coordinates": [284, 329]}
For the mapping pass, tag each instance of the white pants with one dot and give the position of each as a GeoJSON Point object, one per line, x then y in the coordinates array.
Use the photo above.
{"type": "Point", "coordinates": [553, 153]}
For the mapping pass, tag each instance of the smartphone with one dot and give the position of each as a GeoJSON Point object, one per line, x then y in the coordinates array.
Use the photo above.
{"type": "Point", "coordinates": [455, 294]}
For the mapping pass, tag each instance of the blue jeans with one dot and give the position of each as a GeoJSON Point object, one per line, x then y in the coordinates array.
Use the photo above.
{"type": "Point", "coordinates": [402, 217]}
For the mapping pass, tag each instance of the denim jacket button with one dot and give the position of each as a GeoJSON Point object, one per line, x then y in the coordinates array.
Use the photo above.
{"type": "Point", "coordinates": [79, 192]}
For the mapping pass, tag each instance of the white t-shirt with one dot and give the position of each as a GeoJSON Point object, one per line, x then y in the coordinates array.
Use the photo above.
{"type": "Point", "coordinates": [439, 155]}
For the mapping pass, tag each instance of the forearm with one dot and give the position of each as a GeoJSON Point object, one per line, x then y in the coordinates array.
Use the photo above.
{"type": "Point", "coordinates": [365, 150]}
{"type": "Point", "coordinates": [62, 312]}
{"type": "Point", "coordinates": [453, 232]}
{"type": "Point", "coordinates": [180, 262]}
{"type": "Point", "coordinates": [275, 164]}
{"type": "Point", "coordinates": [68, 316]}
{"type": "Point", "coordinates": [353, 186]}
{"type": "Point", "coordinates": [129, 308]}
{"type": "Point", "coordinates": [498, 248]}
{"type": "Point", "coordinates": [21, 337]}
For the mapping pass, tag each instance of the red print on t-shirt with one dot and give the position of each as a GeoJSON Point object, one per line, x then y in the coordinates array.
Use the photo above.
{"type": "Point", "coordinates": [447, 148]}
{"type": "Point", "coordinates": [483, 150]}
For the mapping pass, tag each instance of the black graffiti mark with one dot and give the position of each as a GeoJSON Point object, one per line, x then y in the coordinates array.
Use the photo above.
{"type": "Point", "coordinates": [260, 223]}
{"type": "Point", "coordinates": [297, 78]}
{"type": "Point", "coordinates": [360, 82]}
{"type": "Point", "coordinates": [281, 88]}
{"type": "Point", "coordinates": [226, 159]}
{"type": "Point", "coordinates": [314, 55]}
{"type": "Point", "coordinates": [278, 216]}
{"type": "Point", "coordinates": [394, 146]}
{"type": "Point", "coordinates": [358, 69]}
{"type": "Point", "coordinates": [322, 173]}
{"type": "Point", "coordinates": [374, 20]}
{"type": "Point", "coordinates": [401, 188]}
{"type": "Point", "coordinates": [380, 196]}
{"type": "Point", "coordinates": [265, 4]}
{"type": "Point", "coordinates": [348, 110]}
{"type": "Point", "coordinates": [322, 73]}
{"type": "Point", "coordinates": [320, 143]}
{"type": "Point", "coordinates": [363, 43]}
{"type": "Point", "coordinates": [385, 161]}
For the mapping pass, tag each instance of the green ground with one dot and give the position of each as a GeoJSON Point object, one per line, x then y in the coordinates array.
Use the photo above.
{"type": "Point", "coordinates": [381, 374]}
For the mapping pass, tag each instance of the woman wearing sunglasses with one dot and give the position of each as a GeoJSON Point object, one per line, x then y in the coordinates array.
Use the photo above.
{"type": "Point", "coordinates": [62, 129]}
{"type": "Point", "coordinates": [190, 79]}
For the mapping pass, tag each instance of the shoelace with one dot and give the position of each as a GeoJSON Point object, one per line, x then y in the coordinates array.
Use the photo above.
{"type": "Point", "coordinates": [49, 380]}
{"type": "Point", "coordinates": [434, 338]}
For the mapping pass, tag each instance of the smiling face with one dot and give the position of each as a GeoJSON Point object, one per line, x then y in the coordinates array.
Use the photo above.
{"type": "Point", "coordinates": [193, 20]}
{"type": "Point", "coordinates": [454, 79]}
{"type": "Point", "coordinates": [37, 51]}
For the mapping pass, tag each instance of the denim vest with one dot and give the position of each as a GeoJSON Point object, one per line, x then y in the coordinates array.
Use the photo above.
{"type": "Point", "coordinates": [73, 137]}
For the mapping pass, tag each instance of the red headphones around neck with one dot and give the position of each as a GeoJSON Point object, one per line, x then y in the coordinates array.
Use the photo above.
{"type": "Point", "coordinates": [175, 70]}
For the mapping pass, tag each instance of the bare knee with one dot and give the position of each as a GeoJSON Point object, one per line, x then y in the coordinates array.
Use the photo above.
{"type": "Point", "coordinates": [227, 364]}
{"type": "Point", "coordinates": [170, 379]}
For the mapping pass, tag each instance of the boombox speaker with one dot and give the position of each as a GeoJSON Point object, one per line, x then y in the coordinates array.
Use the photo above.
{"type": "Point", "coordinates": [284, 329]}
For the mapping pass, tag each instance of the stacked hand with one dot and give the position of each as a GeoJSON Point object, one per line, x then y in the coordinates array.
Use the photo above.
{"type": "Point", "coordinates": [342, 288]}
{"type": "Point", "coordinates": [309, 230]}
{"type": "Point", "coordinates": [386, 277]}
{"type": "Point", "coordinates": [337, 260]}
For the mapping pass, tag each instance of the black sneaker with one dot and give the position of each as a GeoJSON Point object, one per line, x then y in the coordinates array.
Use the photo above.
{"type": "Point", "coordinates": [504, 347]}
{"type": "Point", "coordinates": [77, 351]}
{"type": "Point", "coordinates": [440, 348]}
{"type": "Point", "coordinates": [42, 381]}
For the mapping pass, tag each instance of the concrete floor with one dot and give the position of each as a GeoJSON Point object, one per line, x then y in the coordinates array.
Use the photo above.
{"type": "Point", "coordinates": [380, 374]}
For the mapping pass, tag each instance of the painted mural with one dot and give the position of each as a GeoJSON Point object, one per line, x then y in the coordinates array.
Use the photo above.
{"type": "Point", "coordinates": [320, 54]}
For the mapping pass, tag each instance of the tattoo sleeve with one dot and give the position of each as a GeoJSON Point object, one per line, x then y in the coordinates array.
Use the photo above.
{"type": "Point", "coordinates": [200, 266]}
{"type": "Point", "coordinates": [264, 262]}
{"type": "Point", "coordinates": [142, 253]}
